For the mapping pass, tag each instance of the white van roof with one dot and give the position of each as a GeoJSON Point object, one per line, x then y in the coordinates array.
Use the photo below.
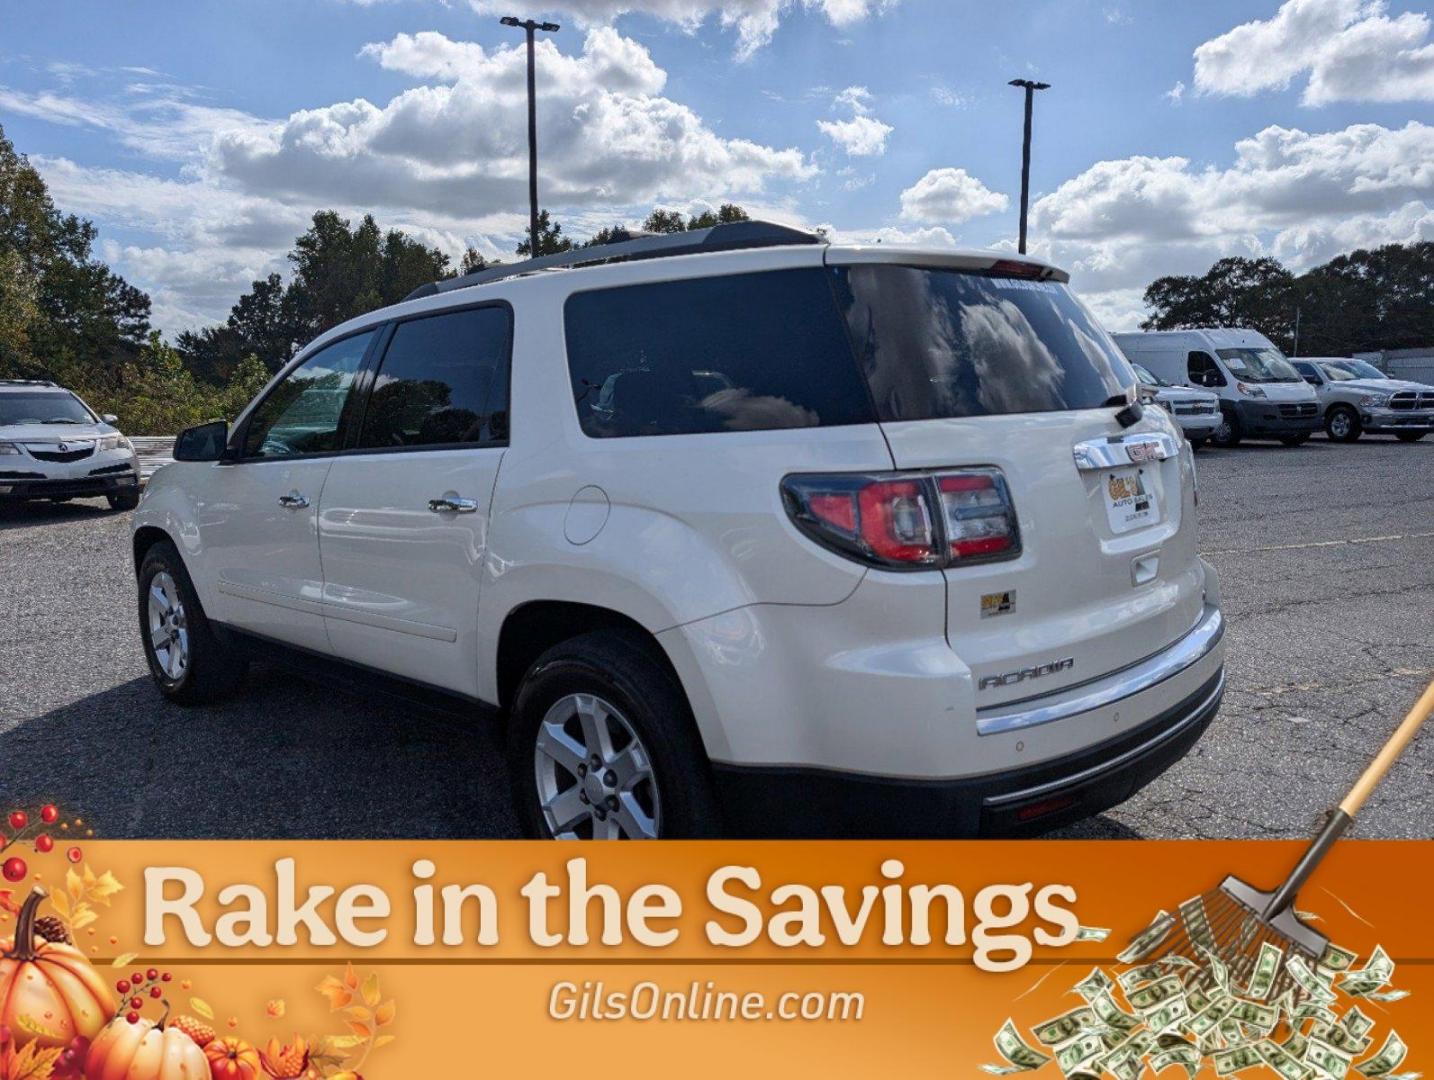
{"type": "Point", "coordinates": [1215, 337]}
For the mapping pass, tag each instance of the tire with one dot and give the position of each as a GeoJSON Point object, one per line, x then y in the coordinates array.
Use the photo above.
{"type": "Point", "coordinates": [1295, 440]}
{"type": "Point", "coordinates": [607, 682]}
{"type": "Point", "coordinates": [1410, 436]}
{"type": "Point", "coordinates": [1229, 433]}
{"type": "Point", "coordinates": [206, 668]}
{"type": "Point", "coordinates": [126, 500]}
{"type": "Point", "coordinates": [1195, 444]}
{"type": "Point", "coordinates": [1342, 424]}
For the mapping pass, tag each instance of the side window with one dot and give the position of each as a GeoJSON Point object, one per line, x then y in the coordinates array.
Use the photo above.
{"type": "Point", "coordinates": [1204, 371]}
{"type": "Point", "coordinates": [302, 414]}
{"type": "Point", "coordinates": [745, 352]}
{"type": "Point", "coordinates": [443, 381]}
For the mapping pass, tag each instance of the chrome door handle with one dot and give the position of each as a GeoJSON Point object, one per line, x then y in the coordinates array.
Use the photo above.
{"type": "Point", "coordinates": [452, 504]}
{"type": "Point", "coordinates": [293, 501]}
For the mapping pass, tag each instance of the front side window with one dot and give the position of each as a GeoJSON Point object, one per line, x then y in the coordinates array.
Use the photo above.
{"type": "Point", "coordinates": [302, 414]}
{"type": "Point", "coordinates": [44, 407]}
{"type": "Point", "coordinates": [1266, 365]}
{"type": "Point", "coordinates": [443, 381]}
{"type": "Point", "coordinates": [746, 352]}
{"type": "Point", "coordinates": [1203, 370]}
{"type": "Point", "coordinates": [938, 343]}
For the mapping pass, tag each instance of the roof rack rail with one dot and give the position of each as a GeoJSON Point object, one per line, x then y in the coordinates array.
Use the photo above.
{"type": "Point", "coordinates": [730, 236]}
{"type": "Point", "coordinates": [28, 382]}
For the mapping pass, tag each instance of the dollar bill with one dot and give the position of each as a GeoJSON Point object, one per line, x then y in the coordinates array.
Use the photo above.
{"type": "Point", "coordinates": [1208, 1019]}
{"type": "Point", "coordinates": [1236, 1059]}
{"type": "Point", "coordinates": [1168, 1015]}
{"type": "Point", "coordinates": [1217, 969]}
{"type": "Point", "coordinates": [1149, 939]}
{"type": "Point", "coordinates": [1375, 974]}
{"type": "Point", "coordinates": [1355, 1022]}
{"type": "Point", "coordinates": [1257, 1015]}
{"type": "Point", "coordinates": [1144, 973]}
{"type": "Point", "coordinates": [1064, 1028]}
{"type": "Point", "coordinates": [1112, 1015]}
{"type": "Point", "coordinates": [1267, 966]}
{"type": "Point", "coordinates": [1094, 984]}
{"type": "Point", "coordinates": [1340, 1037]}
{"type": "Point", "coordinates": [1152, 996]}
{"type": "Point", "coordinates": [1391, 1055]}
{"type": "Point", "coordinates": [1387, 996]}
{"type": "Point", "coordinates": [1082, 1050]}
{"type": "Point", "coordinates": [1327, 1059]}
{"type": "Point", "coordinates": [1296, 1043]}
{"type": "Point", "coordinates": [1020, 1056]}
{"type": "Point", "coordinates": [1186, 1056]}
{"type": "Point", "coordinates": [1281, 1060]}
{"type": "Point", "coordinates": [1308, 981]}
{"type": "Point", "coordinates": [1336, 959]}
{"type": "Point", "coordinates": [1092, 933]}
{"type": "Point", "coordinates": [1197, 923]}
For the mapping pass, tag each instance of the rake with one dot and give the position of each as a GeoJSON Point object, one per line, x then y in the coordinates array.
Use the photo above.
{"type": "Point", "coordinates": [1235, 920]}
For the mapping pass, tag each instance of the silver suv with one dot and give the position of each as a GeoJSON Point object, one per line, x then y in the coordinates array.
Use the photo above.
{"type": "Point", "coordinates": [1357, 399]}
{"type": "Point", "coordinates": [53, 446]}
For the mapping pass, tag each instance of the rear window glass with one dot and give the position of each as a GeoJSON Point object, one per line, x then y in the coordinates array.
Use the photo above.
{"type": "Point", "coordinates": [945, 343]}
{"type": "Point", "coordinates": [747, 352]}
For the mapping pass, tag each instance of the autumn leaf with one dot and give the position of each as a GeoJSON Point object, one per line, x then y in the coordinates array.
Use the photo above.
{"type": "Point", "coordinates": [359, 1013]}
{"type": "Point", "coordinates": [338, 994]}
{"type": "Point", "coordinates": [383, 1040]}
{"type": "Point", "coordinates": [202, 1007]}
{"type": "Point", "coordinates": [84, 915]}
{"type": "Point", "coordinates": [103, 888]}
{"type": "Point", "coordinates": [383, 1015]}
{"type": "Point", "coordinates": [61, 903]}
{"type": "Point", "coordinates": [371, 993]}
{"type": "Point", "coordinates": [341, 1042]}
{"type": "Point", "coordinates": [276, 1008]}
{"type": "Point", "coordinates": [74, 885]}
{"type": "Point", "coordinates": [351, 979]}
{"type": "Point", "coordinates": [33, 1063]}
{"type": "Point", "coordinates": [123, 960]}
{"type": "Point", "coordinates": [7, 902]}
{"type": "Point", "coordinates": [363, 1031]}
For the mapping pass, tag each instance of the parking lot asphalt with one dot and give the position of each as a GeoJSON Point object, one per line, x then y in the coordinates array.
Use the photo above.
{"type": "Point", "coordinates": [1326, 554]}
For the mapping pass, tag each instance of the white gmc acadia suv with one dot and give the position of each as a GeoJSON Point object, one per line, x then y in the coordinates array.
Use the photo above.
{"type": "Point", "coordinates": [739, 532]}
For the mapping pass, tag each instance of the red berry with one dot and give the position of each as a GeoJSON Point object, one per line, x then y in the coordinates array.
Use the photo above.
{"type": "Point", "coordinates": [44, 844]}
{"type": "Point", "coordinates": [122, 986]}
{"type": "Point", "coordinates": [152, 974]}
{"type": "Point", "coordinates": [14, 869]}
{"type": "Point", "coordinates": [19, 819]}
{"type": "Point", "coordinates": [137, 978]}
{"type": "Point", "coordinates": [132, 1017]}
{"type": "Point", "coordinates": [166, 977]}
{"type": "Point", "coordinates": [155, 991]}
{"type": "Point", "coordinates": [136, 1003]}
{"type": "Point", "coordinates": [49, 814]}
{"type": "Point", "coordinates": [74, 854]}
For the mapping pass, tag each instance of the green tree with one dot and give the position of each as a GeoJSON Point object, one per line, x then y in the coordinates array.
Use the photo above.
{"type": "Point", "coordinates": [1257, 293]}
{"type": "Point", "coordinates": [551, 240]}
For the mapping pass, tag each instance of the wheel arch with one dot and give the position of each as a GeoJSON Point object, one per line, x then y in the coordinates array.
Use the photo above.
{"type": "Point", "coordinates": [145, 538]}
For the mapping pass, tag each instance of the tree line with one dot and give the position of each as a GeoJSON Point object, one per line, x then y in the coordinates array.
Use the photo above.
{"type": "Point", "coordinates": [66, 316]}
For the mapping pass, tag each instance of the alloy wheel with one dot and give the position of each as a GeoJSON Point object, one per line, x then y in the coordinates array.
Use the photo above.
{"type": "Point", "coordinates": [168, 627]}
{"type": "Point", "coordinates": [594, 776]}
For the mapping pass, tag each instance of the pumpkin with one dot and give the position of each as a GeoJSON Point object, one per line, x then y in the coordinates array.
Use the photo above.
{"type": "Point", "coordinates": [144, 1050]}
{"type": "Point", "coordinates": [49, 994]}
{"type": "Point", "coordinates": [232, 1059]}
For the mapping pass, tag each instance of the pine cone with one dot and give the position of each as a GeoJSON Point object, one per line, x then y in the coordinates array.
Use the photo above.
{"type": "Point", "coordinates": [52, 929]}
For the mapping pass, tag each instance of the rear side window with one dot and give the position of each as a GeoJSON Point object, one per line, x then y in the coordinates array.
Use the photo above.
{"type": "Point", "coordinates": [938, 343]}
{"type": "Point", "coordinates": [443, 381]}
{"type": "Point", "coordinates": [748, 352]}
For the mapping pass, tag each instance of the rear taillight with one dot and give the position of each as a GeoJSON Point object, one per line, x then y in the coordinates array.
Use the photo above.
{"type": "Point", "coordinates": [907, 521]}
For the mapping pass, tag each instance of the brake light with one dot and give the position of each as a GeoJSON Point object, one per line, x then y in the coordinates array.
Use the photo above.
{"type": "Point", "coordinates": [907, 521]}
{"type": "Point", "coordinates": [1017, 269]}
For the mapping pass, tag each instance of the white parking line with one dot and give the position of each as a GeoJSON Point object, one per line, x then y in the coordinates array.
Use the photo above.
{"type": "Point", "coordinates": [1321, 544]}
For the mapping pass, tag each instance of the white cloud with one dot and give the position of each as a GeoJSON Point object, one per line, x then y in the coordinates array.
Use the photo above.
{"type": "Point", "coordinates": [861, 136]}
{"type": "Point", "coordinates": [950, 196]}
{"type": "Point", "coordinates": [1176, 94]}
{"type": "Point", "coordinates": [755, 21]}
{"type": "Point", "coordinates": [1352, 50]}
{"type": "Point", "coordinates": [931, 236]}
{"type": "Point", "coordinates": [1302, 197]}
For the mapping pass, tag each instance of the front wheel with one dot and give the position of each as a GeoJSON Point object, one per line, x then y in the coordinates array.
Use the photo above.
{"type": "Point", "coordinates": [1228, 433]}
{"type": "Point", "coordinates": [188, 661]}
{"type": "Point", "coordinates": [602, 746]}
{"type": "Point", "coordinates": [1410, 436]}
{"type": "Point", "coordinates": [1342, 424]}
{"type": "Point", "coordinates": [124, 500]}
{"type": "Point", "coordinates": [1295, 440]}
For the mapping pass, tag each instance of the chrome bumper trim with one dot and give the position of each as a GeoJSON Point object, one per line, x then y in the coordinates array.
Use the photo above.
{"type": "Point", "coordinates": [1194, 716]}
{"type": "Point", "coordinates": [1108, 689]}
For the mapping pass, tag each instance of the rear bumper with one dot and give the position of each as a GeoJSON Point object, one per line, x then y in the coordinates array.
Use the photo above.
{"type": "Point", "coordinates": [768, 802]}
{"type": "Point", "coordinates": [16, 487]}
{"type": "Point", "coordinates": [1264, 418]}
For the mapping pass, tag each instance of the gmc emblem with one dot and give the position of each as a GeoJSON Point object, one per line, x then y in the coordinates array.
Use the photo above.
{"type": "Point", "coordinates": [1143, 451]}
{"type": "Point", "coordinates": [1021, 675]}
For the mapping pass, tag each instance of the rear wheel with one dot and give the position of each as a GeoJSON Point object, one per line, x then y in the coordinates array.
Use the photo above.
{"type": "Point", "coordinates": [124, 500]}
{"type": "Point", "coordinates": [1342, 424]}
{"type": "Point", "coordinates": [188, 661]}
{"type": "Point", "coordinates": [1295, 440]}
{"type": "Point", "coordinates": [1410, 436]}
{"type": "Point", "coordinates": [1228, 433]}
{"type": "Point", "coordinates": [602, 746]}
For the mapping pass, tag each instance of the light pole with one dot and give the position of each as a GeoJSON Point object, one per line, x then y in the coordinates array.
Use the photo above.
{"type": "Point", "coordinates": [531, 27]}
{"type": "Point", "coordinates": [1030, 88]}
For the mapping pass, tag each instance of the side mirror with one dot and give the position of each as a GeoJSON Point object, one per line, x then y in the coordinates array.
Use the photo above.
{"type": "Point", "coordinates": [109, 418]}
{"type": "Point", "coordinates": [204, 442]}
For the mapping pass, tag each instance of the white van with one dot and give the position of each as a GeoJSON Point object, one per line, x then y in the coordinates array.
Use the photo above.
{"type": "Point", "coordinates": [1261, 395]}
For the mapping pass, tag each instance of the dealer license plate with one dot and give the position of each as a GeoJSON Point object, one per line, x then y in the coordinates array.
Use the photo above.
{"type": "Point", "coordinates": [1130, 502]}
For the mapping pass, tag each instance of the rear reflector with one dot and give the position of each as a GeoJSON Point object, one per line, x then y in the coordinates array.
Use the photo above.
{"type": "Point", "coordinates": [907, 521]}
{"type": "Point", "coordinates": [1045, 808]}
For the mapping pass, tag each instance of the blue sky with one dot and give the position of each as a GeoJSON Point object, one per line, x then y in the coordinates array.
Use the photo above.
{"type": "Point", "coordinates": [200, 136]}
